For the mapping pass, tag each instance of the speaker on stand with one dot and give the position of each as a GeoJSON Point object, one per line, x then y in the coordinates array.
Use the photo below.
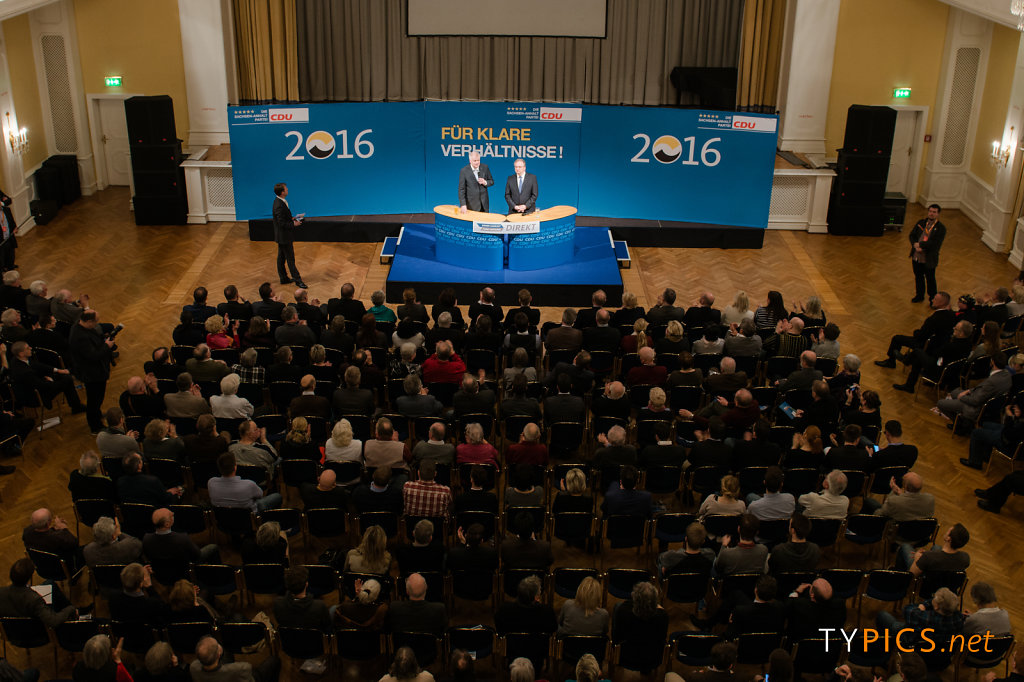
{"type": "Point", "coordinates": [857, 204]}
{"type": "Point", "coordinates": [159, 180]}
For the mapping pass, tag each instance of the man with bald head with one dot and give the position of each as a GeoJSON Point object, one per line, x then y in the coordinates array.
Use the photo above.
{"type": "Point", "coordinates": [613, 453]}
{"type": "Point", "coordinates": [811, 607]}
{"type": "Point", "coordinates": [937, 325]}
{"type": "Point", "coordinates": [802, 378]}
{"type": "Point", "coordinates": [727, 381]}
{"type": "Point", "coordinates": [170, 552]}
{"type": "Point", "coordinates": [788, 339]}
{"type": "Point", "coordinates": [208, 667]}
{"type": "Point", "coordinates": [325, 493]}
{"type": "Point", "coordinates": [49, 533]}
{"type": "Point", "coordinates": [416, 614]}
{"type": "Point", "coordinates": [906, 502]}
{"type": "Point", "coordinates": [600, 336]}
{"type": "Point", "coordinates": [529, 449]}
{"type": "Point", "coordinates": [646, 373]}
{"type": "Point", "coordinates": [613, 402]}
{"type": "Point", "coordinates": [587, 317]}
{"type": "Point", "coordinates": [308, 403]}
{"type": "Point", "coordinates": [141, 399]}
{"type": "Point", "coordinates": [701, 314]}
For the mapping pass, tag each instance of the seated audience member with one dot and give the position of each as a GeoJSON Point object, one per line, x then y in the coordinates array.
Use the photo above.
{"type": "Point", "coordinates": [258, 335]}
{"type": "Point", "coordinates": [532, 314]}
{"type": "Point", "coordinates": [773, 504]}
{"type": "Point", "coordinates": [294, 332]}
{"type": "Point", "coordinates": [797, 554]}
{"type": "Point", "coordinates": [613, 453]}
{"type": "Point", "coordinates": [325, 493]}
{"type": "Point", "coordinates": [253, 448]}
{"type": "Point", "coordinates": [484, 336]}
{"type": "Point", "coordinates": [209, 665]}
{"type": "Point", "coordinates": [88, 482]}
{"type": "Point", "coordinates": [199, 308]}
{"type": "Point", "coordinates": [812, 607]}
{"type": "Point", "coordinates": [368, 336]}
{"type": "Point", "coordinates": [727, 380]}
{"type": "Point", "coordinates": [823, 411]}
{"type": "Point", "coordinates": [186, 333]}
{"type": "Point", "coordinates": [802, 378]}
{"type": "Point", "coordinates": [713, 450]}
{"type": "Point", "coordinates": [416, 614]}
{"type": "Point", "coordinates": [218, 335]}
{"type": "Point", "coordinates": [110, 546]}
{"type": "Point", "coordinates": [476, 449]}
{"type": "Point", "coordinates": [657, 408]}
{"type": "Point", "coordinates": [170, 553]}
{"type": "Point", "coordinates": [435, 448]}
{"type": "Point", "coordinates": [737, 416]}
{"type": "Point", "coordinates": [411, 307]}
{"type": "Point", "coordinates": [298, 444]}
{"type": "Point", "coordinates": [523, 550]}
{"type": "Point", "coordinates": [613, 402]}
{"type": "Point", "coordinates": [903, 503]}
{"type": "Point", "coordinates": [371, 555]}
{"type": "Point", "coordinates": [101, 662]}
{"type": "Point", "coordinates": [931, 361]}
{"type": "Point", "coordinates": [346, 305]}
{"type": "Point", "coordinates": [381, 313]}
{"type": "Point", "coordinates": [417, 401]}
{"type": "Point", "coordinates": [939, 617]}
{"type": "Point", "coordinates": [710, 342]}
{"type": "Point", "coordinates": [599, 336]}
{"type": "Point", "coordinates": [527, 613]}
{"type": "Point", "coordinates": [825, 344]}
{"type": "Point", "coordinates": [308, 403]}
{"type": "Point", "coordinates": [202, 367]}
{"type": "Point", "coordinates": [523, 492]}
{"type": "Point", "coordinates": [162, 442]}
{"type": "Point", "coordinates": [161, 665]}
{"type": "Point", "coordinates": [968, 403]}
{"type": "Point", "coordinates": [472, 399]}
{"type": "Point", "coordinates": [521, 335]}
{"type": "Point", "coordinates": [764, 614]}
{"type": "Point", "coordinates": [632, 343]}
{"type": "Point", "coordinates": [641, 624]}
{"type": "Point", "coordinates": [426, 497]}
{"type": "Point", "coordinates": [320, 368]}
{"type": "Point", "coordinates": [895, 452]}
{"type": "Point", "coordinates": [848, 375]}
{"type": "Point", "coordinates": [756, 448]}
{"type": "Point", "coordinates": [19, 600]}
{"type": "Point", "coordinates": [407, 337]}
{"type": "Point", "coordinates": [342, 447]}
{"type": "Point", "coordinates": [405, 668]}
{"type": "Point", "coordinates": [808, 450]}
{"type": "Point", "coordinates": [231, 490]}
{"type": "Point", "coordinates": [382, 493]}
{"type": "Point", "coordinates": [444, 330]}
{"type": "Point", "coordinates": [583, 615]}
{"type": "Point", "coordinates": [687, 374]}
{"type": "Point", "coordinates": [622, 497]}
{"type": "Point", "coordinates": [234, 306]}
{"type": "Point", "coordinates": [517, 402]}
{"type": "Point", "coordinates": [423, 554]}
{"type": "Point", "coordinates": [788, 339]}
{"type": "Point", "coordinates": [188, 402]}
{"type": "Point", "coordinates": [137, 604]}
{"type": "Point", "coordinates": [988, 616]}
{"type": "Point", "coordinates": [702, 313]}
{"type": "Point", "coordinates": [298, 608]}
{"type": "Point", "coordinates": [185, 606]}
{"type": "Point", "coordinates": [229, 405]}
{"type": "Point", "coordinates": [247, 370]}
{"type": "Point", "coordinates": [520, 366]}
{"type": "Point", "coordinates": [674, 341]}
{"type": "Point", "coordinates": [367, 611]}
{"type": "Point", "coordinates": [206, 444]}
{"type": "Point", "coordinates": [723, 657]}
{"type": "Point", "coordinates": [571, 497]}
{"type": "Point", "coordinates": [477, 498]}
{"type": "Point", "coordinates": [139, 488]}
{"type": "Point", "coordinates": [747, 556]}
{"type": "Point", "coordinates": [470, 553]}
{"type": "Point", "coordinates": [629, 313]}
{"type": "Point", "coordinates": [529, 450]}
{"type": "Point", "coordinates": [946, 557]}
{"type": "Point", "coordinates": [993, 499]}
{"type": "Point", "coordinates": [1004, 434]}
{"type": "Point", "coordinates": [694, 557]}
{"type": "Point", "coordinates": [938, 323]}
{"type": "Point", "coordinates": [114, 440]}
{"type": "Point", "coordinates": [663, 452]}
{"type": "Point", "coordinates": [444, 366]}
{"type": "Point", "coordinates": [587, 317]}
{"type": "Point", "coordinates": [830, 503]}
{"type": "Point", "coordinates": [565, 336]}
{"type": "Point", "coordinates": [282, 369]}
{"type": "Point", "coordinates": [646, 373]}
{"type": "Point", "coordinates": [563, 406]}
{"type": "Point", "coordinates": [268, 546]}
{"type": "Point", "coordinates": [743, 340]}
{"type": "Point", "coordinates": [49, 533]}
{"type": "Point", "coordinates": [386, 448]}
{"type": "Point", "coordinates": [140, 398]}
{"type": "Point", "coordinates": [852, 455]}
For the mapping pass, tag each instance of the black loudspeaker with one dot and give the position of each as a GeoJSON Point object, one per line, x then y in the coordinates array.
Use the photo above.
{"type": "Point", "coordinates": [48, 185]}
{"type": "Point", "coordinates": [43, 211]}
{"type": "Point", "coordinates": [66, 166]}
{"type": "Point", "coordinates": [160, 210]}
{"type": "Point", "coordinates": [869, 130]}
{"type": "Point", "coordinates": [150, 120]}
{"type": "Point", "coordinates": [858, 168]}
{"type": "Point", "coordinates": [160, 183]}
{"type": "Point", "coordinates": [860, 193]}
{"type": "Point", "coordinates": [155, 157]}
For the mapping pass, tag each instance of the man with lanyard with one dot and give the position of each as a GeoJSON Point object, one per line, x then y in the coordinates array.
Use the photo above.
{"type": "Point", "coordinates": [284, 228]}
{"type": "Point", "coordinates": [925, 242]}
{"type": "Point", "coordinates": [8, 242]}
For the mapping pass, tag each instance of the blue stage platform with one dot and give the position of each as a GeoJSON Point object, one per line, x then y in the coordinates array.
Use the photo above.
{"type": "Point", "coordinates": [593, 267]}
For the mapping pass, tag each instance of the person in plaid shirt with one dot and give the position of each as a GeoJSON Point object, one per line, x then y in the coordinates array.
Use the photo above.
{"type": "Point", "coordinates": [425, 497]}
{"type": "Point", "coordinates": [247, 370]}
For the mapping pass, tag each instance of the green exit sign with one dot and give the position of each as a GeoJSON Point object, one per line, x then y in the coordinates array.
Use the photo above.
{"type": "Point", "coordinates": [112, 81]}
{"type": "Point", "coordinates": [901, 92]}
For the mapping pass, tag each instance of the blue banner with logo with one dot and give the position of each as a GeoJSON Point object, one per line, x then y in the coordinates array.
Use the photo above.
{"type": "Point", "coordinates": [404, 157]}
{"type": "Point", "coordinates": [677, 164]}
{"type": "Point", "coordinates": [337, 159]}
{"type": "Point", "coordinates": [545, 136]}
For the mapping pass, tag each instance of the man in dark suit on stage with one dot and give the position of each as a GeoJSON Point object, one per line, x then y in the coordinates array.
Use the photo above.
{"type": "Point", "coordinates": [284, 225]}
{"type": "Point", "coordinates": [474, 180]}
{"type": "Point", "coordinates": [521, 190]}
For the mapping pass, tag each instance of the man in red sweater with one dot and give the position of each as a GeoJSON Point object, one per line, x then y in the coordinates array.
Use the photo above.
{"type": "Point", "coordinates": [444, 366]}
{"type": "Point", "coordinates": [529, 449]}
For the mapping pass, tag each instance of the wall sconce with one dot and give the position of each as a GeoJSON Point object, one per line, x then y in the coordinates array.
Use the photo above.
{"type": "Point", "coordinates": [1001, 153]}
{"type": "Point", "coordinates": [18, 139]}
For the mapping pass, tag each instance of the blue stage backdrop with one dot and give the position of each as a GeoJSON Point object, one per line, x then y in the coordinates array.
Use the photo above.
{"type": "Point", "coordinates": [337, 159]}
{"type": "Point", "coordinates": [677, 164]}
{"type": "Point", "coordinates": [546, 137]}
{"type": "Point", "coordinates": [617, 162]}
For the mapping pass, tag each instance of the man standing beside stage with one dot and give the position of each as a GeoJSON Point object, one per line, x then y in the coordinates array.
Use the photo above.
{"type": "Point", "coordinates": [474, 180]}
{"type": "Point", "coordinates": [284, 226]}
{"type": "Point", "coordinates": [925, 242]}
{"type": "Point", "coordinates": [8, 242]}
{"type": "Point", "coordinates": [521, 190]}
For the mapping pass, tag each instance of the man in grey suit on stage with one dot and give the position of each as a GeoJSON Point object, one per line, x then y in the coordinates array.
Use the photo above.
{"type": "Point", "coordinates": [284, 226]}
{"type": "Point", "coordinates": [474, 180]}
{"type": "Point", "coordinates": [521, 190]}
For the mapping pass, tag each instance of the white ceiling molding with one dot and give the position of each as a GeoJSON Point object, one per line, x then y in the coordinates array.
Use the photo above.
{"type": "Point", "coordinates": [12, 8]}
{"type": "Point", "coordinates": [993, 10]}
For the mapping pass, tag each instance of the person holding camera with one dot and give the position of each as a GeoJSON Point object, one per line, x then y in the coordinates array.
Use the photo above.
{"type": "Point", "coordinates": [92, 352]}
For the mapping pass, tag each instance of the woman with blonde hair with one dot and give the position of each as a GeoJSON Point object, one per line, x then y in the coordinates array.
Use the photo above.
{"type": "Point", "coordinates": [811, 312]}
{"type": "Point", "coordinates": [629, 313]}
{"type": "Point", "coordinates": [584, 615]}
{"type": "Point", "coordinates": [808, 451]}
{"type": "Point", "coordinates": [371, 556]}
{"type": "Point", "coordinates": [298, 444]}
{"type": "Point", "coordinates": [589, 670]}
{"type": "Point", "coordinates": [217, 336]}
{"type": "Point", "coordinates": [674, 341]}
{"type": "Point", "coordinates": [631, 343]}
{"type": "Point", "coordinates": [572, 497]}
{"type": "Point", "coordinates": [319, 366]}
{"type": "Point", "coordinates": [726, 501]}
{"type": "Point", "coordinates": [738, 311]}
{"type": "Point", "coordinates": [342, 447]}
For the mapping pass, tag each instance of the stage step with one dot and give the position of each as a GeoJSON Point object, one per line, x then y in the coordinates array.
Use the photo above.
{"type": "Point", "coordinates": [621, 253]}
{"type": "Point", "coordinates": [387, 251]}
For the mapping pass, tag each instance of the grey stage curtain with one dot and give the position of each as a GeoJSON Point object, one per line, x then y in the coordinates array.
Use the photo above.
{"type": "Point", "coordinates": [358, 50]}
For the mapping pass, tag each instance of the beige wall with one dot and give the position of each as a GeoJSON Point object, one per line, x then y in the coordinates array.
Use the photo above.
{"type": "Point", "coordinates": [139, 40]}
{"type": "Point", "coordinates": [995, 100]}
{"type": "Point", "coordinates": [25, 89]}
{"type": "Point", "coordinates": [868, 65]}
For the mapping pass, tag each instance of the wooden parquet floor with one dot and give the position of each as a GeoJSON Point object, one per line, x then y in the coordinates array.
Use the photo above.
{"type": "Point", "coordinates": [141, 276]}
